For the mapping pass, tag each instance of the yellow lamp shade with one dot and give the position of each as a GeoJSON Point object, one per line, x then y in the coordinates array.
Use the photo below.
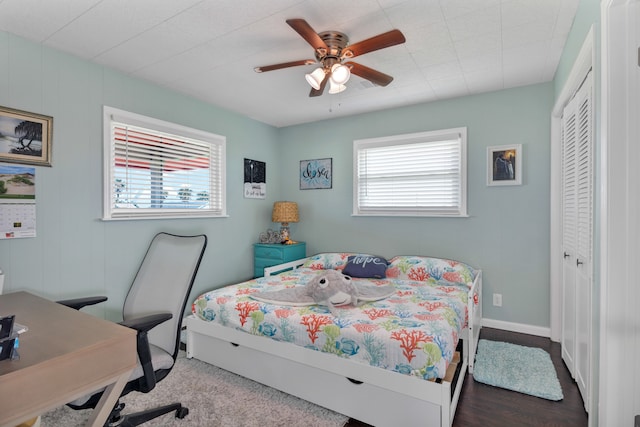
{"type": "Point", "coordinates": [285, 212]}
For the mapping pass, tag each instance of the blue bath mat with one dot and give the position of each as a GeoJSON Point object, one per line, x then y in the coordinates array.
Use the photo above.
{"type": "Point", "coordinates": [514, 367]}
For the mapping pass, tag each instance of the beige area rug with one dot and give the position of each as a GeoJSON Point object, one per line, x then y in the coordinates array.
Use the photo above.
{"type": "Point", "coordinates": [215, 397]}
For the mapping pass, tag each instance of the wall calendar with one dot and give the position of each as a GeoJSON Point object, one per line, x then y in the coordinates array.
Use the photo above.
{"type": "Point", "coordinates": [17, 202]}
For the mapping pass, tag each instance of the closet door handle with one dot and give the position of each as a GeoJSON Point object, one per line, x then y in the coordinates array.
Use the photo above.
{"type": "Point", "coordinates": [578, 262]}
{"type": "Point", "coordinates": [566, 255]}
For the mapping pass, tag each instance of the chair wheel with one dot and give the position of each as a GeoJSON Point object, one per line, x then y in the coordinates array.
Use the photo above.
{"type": "Point", "coordinates": [182, 412]}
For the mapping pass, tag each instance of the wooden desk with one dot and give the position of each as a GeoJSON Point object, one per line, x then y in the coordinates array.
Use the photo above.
{"type": "Point", "coordinates": [64, 355]}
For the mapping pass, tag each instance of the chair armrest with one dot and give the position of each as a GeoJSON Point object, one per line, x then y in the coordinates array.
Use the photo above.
{"type": "Point", "coordinates": [143, 324]}
{"type": "Point", "coordinates": [146, 323]}
{"type": "Point", "coordinates": [78, 303]}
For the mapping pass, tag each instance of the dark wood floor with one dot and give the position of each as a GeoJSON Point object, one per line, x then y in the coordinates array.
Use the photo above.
{"type": "Point", "coordinates": [486, 406]}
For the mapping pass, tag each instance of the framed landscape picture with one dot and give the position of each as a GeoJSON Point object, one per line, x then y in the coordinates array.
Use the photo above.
{"type": "Point", "coordinates": [25, 137]}
{"type": "Point", "coordinates": [316, 174]}
{"type": "Point", "coordinates": [504, 165]}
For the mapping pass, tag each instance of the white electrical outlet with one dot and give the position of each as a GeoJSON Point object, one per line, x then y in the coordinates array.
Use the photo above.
{"type": "Point", "coordinates": [497, 300]}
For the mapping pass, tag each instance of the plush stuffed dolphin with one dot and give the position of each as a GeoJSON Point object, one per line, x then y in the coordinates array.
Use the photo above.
{"type": "Point", "coordinates": [330, 288]}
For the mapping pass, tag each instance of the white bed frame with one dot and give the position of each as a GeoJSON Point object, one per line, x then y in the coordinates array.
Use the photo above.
{"type": "Point", "coordinates": [372, 395]}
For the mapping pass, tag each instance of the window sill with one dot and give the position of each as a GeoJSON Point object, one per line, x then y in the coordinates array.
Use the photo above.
{"type": "Point", "coordinates": [137, 217]}
{"type": "Point", "coordinates": [415, 215]}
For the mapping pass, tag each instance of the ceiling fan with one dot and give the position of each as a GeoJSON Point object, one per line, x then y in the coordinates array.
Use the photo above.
{"type": "Point", "coordinates": [332, 48]}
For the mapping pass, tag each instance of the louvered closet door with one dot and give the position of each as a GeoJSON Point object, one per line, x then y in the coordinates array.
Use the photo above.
{"type": "Point", "coordinates": [584, 260]}
{"type": "Point", "coordinates": [569, 235]}
{"type": "Point", "coordinates": [577, 185]}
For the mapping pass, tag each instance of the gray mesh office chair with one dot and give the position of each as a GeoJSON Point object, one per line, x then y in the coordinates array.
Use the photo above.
{"type": "Point", "coordinates": [154, 307]}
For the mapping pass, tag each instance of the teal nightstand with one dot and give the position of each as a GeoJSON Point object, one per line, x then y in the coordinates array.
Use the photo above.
{"type": "Point", "coordinates": [266, 255]}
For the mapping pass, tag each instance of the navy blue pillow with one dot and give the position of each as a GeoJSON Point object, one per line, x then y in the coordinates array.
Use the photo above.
{"type": "Point", "coordinates": [366, 266]}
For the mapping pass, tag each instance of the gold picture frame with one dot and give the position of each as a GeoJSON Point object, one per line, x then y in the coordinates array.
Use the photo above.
{"type": "Point", "coordinates": [25, 137]}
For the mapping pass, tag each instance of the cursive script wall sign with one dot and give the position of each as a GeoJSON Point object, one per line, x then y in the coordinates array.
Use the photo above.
{"type": "Point", "coordinates": [315, 174]}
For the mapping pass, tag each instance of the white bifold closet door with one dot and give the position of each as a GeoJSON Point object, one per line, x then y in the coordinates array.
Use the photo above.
{"type": "Point", "coordinates": [577, 234]}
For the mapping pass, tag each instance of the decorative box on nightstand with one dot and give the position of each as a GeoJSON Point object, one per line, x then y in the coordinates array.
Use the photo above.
{"type": "Point", "coordinates": [266, 255]}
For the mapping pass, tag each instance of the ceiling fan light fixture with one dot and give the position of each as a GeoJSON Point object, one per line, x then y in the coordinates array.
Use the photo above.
{"type": "Point", "coordinates": [340, 74]}
{"type": "Point", "coordinates": [315, 78]}
{"type": "Point", "coordinates": [330, 49]}
{"type": "Point", "coordinates": [335, 87]}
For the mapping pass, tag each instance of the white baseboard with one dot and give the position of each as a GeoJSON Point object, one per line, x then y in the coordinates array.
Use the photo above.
{"type": "Point", "coordinates": [517, 327]}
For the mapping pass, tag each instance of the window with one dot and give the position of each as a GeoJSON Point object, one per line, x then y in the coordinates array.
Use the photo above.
{"type": "Point", "coordinates": [156, 169]}
{"type": "Point", "coordinates": [419, 174]}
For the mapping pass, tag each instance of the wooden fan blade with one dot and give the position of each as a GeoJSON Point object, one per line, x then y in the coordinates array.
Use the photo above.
{"type": "Point", "coordinates": [309, 34]}
{"type": "Point", "coordinates": [375, 77]}
{"type": "Point", "coordinates": [319, 92]}
{"type": "Point", "coordinates": [284, 65]}
{"type": "Point", "coordinates": [388, 39]}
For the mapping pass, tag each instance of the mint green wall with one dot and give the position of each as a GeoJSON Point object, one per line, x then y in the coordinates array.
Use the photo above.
{"type": "Point", "coordinates": [75, 253]}
{"type": "Point", "coordinates": [507, 232]}
{"type": "Point", "coordinates": [588, 14]}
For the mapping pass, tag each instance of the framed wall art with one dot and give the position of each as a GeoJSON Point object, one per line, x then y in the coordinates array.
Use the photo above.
{"type": "Point", "coordinates": [255, 179]}
{"type": "Point", "coordinates": [315, 174]}
{"type": "Point", "coordinates": [25, 137]}
{"type": "Point", "coordinates": [504, 165]}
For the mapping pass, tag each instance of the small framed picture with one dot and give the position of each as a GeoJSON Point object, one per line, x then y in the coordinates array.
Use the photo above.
{"type": "Point", "coordinates": [25, 137]}
{"type": "Point", "coordinates": [255, 179]}
{"type": "Point", "coordinates": [315, 174]}
{"type": "Point", "coordinates": [504, 165]}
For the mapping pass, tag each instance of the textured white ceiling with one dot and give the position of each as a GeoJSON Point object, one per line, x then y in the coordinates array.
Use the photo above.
{"type": "Point", "coordinates": [208, 48]}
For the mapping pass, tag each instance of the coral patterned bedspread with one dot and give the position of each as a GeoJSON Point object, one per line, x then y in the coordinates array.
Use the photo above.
{"type": "Point", "coordinates": [414, 332]}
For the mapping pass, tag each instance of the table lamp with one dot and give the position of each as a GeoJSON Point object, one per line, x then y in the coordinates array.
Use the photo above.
{"type": "Point", "coordinates": [284, 213]}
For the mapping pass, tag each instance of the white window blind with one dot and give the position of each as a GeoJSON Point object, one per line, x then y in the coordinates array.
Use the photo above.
{"type": "Point", "coordinates": [157, 169]}
{"type": "Point", "coordinates": [421, 174]}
